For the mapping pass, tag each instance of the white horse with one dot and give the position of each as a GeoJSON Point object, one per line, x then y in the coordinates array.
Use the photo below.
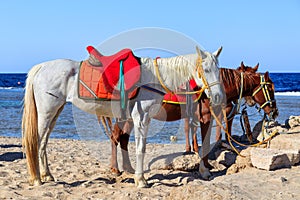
{"type": "Point", "coordinates": [51, 84]}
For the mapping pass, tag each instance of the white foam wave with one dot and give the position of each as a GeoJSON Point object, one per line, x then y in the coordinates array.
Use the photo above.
{"type": "Point", "coordinates": [10, 88]}
{"type": "Point", "coordinates": [287, 93]}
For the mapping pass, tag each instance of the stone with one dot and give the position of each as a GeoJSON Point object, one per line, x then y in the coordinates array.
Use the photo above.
{"type": "Point", "coordinates": [177, 161]}
{"type": "Point", "coordinates": [242, 162]}
{"type": "Point", "coordinates": [226, 158]}
{"type": "Point", "coordinates": [294, 121]}
{"type": "Point", "coordinates": [269, 159]}
{"type": "Point", "coordinates": [286, 141]}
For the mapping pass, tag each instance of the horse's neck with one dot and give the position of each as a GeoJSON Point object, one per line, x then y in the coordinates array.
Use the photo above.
{"type": "Point", "coordinates": [234, 84]}
{"type": "Point", "coordinates": [173, 71]}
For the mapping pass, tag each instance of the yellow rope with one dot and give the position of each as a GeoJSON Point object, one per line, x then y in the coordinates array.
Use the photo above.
{"type": "Point", "coordinates": [159, 77]}
{"type": "Point", "coordinates": [275, 132]}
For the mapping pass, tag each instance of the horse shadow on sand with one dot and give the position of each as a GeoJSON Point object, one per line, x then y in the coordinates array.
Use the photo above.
{"type": "Point", "coordinates": [11, 156]}
{"type": "Point", "coordinates": [181, 175]}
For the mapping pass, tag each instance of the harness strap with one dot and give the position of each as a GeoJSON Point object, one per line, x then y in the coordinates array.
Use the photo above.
{"type": "Point", "coordinates": [263, 87]}
{"type": "Point", "coordinates": [241, 92]}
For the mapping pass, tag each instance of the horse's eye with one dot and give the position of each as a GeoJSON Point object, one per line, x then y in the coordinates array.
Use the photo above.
{"type": "Point", "coordinates": [207, 70]}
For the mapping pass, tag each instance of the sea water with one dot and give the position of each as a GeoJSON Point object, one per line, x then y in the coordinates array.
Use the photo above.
{"type": "Point", "coordinates": [76, 124]}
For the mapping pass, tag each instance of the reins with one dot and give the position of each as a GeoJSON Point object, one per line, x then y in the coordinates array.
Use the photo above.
{"type": "Point", "coordinates": [263, 87]}
{"type": "Point", "coordinates": [230, 138]}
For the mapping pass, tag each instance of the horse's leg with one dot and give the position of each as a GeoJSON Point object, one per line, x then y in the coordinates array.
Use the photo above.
{"type": "Point", "coordinates": [187, 135]}
{"type": "Point", "coordinates": [46, 124]}
{"type": "Point", "coordinates": [115, 138]}
{"type": "Point", "coordinates": [218, 130]}
{"type": "Point", "coordinates": [205, 122]}
{"type": "Point", "coordinates": [141, 122]}
{"type": "Point", "coordinates": [124, 139]}
{"type": "Point", "coordinates": [229, 108]}
{"type": "Point", "coordinates": [230, 121]}
{"type": "Point", "coordinates": [195, 140]}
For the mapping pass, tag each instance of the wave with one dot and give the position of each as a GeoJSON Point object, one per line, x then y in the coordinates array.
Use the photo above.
{"type": "Point", "coordinates": [290, 93]}
{"type": "Point", "coordinates": [11, 88]}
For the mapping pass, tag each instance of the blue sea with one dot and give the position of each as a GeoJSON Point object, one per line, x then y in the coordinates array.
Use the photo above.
{"type": "Point", "coordinates": [75, 124]}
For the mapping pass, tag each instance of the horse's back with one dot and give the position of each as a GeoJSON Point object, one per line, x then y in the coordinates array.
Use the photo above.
{"type": "Point", "coordinates": [55, 76]}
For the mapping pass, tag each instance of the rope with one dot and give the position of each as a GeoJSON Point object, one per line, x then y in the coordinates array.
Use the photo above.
{"type": "Point", "coordinates": [275, 132]}
{"type": "Point", "coordinates": [159, 77]}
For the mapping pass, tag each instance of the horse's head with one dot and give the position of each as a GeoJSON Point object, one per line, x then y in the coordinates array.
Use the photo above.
{"type": "Point", "coordinates": [250, 70]}
{"type": "Point", "coordinates": [208, 75]}
{"type": "Point", "coordinates": [264, 95]}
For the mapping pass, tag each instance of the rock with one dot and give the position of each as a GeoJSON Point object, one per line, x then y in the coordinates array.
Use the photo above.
{"type": "Point", "coordinates": [242, 162]}
{"type": "Point", "coordinates": [289, 144]}
{"type": "Point", "coordinates": [294, 121]}
{"type": "Point", "coordinates": [226, 158]}
{"type": "Point", "coordinates": [269, 159]}
{"type": "Point", "coordinates": [286, 141]}
{"type": "Point", "coordinates": [179, 161]}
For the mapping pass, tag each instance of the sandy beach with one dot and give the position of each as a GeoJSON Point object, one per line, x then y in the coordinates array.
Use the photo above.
{"type": "Point", "coordinates": [81, 171]}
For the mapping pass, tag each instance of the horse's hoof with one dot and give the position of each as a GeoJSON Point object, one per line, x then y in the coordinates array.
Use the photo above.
{"type": "Point", "coordinates": [115, 171]}
{"type": "Point", "coordinates": [204, 171]}
{"type": "Point", "coordinates": [47, 178]}
{"type": "Point", "coordinates": [140, 181]}
{"type": "Point", "coordinates": [35, 182]}
{"type": "Point", "coordinates": [205, 174]}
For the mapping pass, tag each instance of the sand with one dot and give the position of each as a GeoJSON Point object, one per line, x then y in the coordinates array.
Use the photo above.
{"type": "Point", "coordinates": [81, 171]}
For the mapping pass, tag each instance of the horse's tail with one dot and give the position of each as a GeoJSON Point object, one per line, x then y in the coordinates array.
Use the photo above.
{"type": "Point", "coordinates": [30, 126]}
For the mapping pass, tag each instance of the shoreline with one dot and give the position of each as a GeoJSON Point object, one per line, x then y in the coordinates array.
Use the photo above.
{"type": "Point", "coordinates": [81, 171]}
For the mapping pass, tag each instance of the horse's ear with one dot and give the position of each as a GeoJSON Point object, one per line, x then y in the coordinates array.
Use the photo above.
{"type": "Point", "coordinates": [256, 67]}
{"type": "Point", "coordinates": [267, 77]}
{"type": "Point", "coordinates": [242, 66]}
{"type": "Point", "coordinates": [200, 52]}
{"type": "Point", "coordinates": [217, 53]}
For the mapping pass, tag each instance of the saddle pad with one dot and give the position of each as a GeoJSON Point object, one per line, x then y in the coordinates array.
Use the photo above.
{"type": "Point", "coordinates": [181, 98]}
{"type": "Point", "coordinates": [111, 68]}
{"type": "Point", "coordinates": [92, 84]}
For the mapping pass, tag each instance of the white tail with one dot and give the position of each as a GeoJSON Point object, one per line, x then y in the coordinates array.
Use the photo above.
{"type": "Point", "coordinates": [30, 136]}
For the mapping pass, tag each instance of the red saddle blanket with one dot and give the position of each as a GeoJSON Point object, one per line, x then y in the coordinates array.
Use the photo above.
{"type": "Point", "coordinates": [181, 98]}
{"type": "Point", "coordinates": [102, 81]}
{"type": "Point", "coordinates": [110, 66]}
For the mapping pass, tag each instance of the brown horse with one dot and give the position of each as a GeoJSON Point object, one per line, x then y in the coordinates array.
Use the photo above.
{"type": "Point", "coordinates": [231, 107]}
{"type": "Point", "coordinates": [252, 83]}
{"type": "Point", "coordinates": [231, 111]}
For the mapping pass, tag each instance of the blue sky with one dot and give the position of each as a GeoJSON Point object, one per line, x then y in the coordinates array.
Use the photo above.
{"type": "Point", "coordinates": [251, 31]}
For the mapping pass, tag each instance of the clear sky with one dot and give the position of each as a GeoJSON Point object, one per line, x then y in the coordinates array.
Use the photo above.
{"type": "Point", "coordinates": [264, 31]}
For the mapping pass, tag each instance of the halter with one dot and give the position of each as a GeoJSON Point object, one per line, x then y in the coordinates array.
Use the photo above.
{"type": "Point", "coordinates": [200, 71]}
{"type": "Point", "coordinates": [264, 88]}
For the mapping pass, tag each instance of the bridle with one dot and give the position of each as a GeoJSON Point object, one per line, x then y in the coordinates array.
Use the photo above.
{"type": "Point", "coordinates": [201, 74]}
{"type": "Point", "coordinates": [264, 87]}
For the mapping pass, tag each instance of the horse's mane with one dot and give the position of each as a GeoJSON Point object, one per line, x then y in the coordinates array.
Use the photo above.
{"type": "Point", "coordinates": [174, 71]}
{"type": "Point", "coordinates": [233, 77]}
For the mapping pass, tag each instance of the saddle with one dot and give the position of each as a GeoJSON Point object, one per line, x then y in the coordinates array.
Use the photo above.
{"type": "Point", "coordinates": [182, 98]}
{"type": "Point", "coordinates": [109, 77]}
